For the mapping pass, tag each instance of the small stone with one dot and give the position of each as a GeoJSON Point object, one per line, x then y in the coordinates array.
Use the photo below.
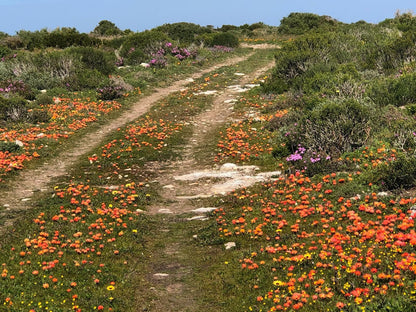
{"type": "Point", "coordinates": [164, 210]}
{"type": "Point", "coordinates": [160, 275]}
{"type": "Point", "coordinates": [25, 199]}
{"type": "Point", "coordinates": [230, 101]}
{"type": "Point", "coordinates": [230, 245]}
{"type": "Point", "coordinates": [204, 209]}
{"type": "Point", "coordinates": [169, 186]}
{"type": "Point", "coordinates": [228, 167]}
{"type": "Point", "coordinates": [200, 218]}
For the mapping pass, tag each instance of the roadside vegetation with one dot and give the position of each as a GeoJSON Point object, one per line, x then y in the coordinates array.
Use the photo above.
{"type": "Point", "coordinates": [56, 84]}
{"type": "Point", "coordinates": [336, 115]}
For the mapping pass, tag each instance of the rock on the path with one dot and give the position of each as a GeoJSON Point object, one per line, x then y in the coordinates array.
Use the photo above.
{"type": "Point", "coordinates": [209, 92]}
{"type": "Point", "coordinates": [204, 209]}
{"type": "Point", "coordinates": [270, 174]}
{"type": "Point", "coordinates": [199, 218]}
{"type": "Point", "coordinates": [252, 85]}
{"type": "Point", "coordinates": [160, 275]}
{"type": "Point", "coordinates": [165, 210]}
{"type": "Point", "coordinates": [229, 245]}
{"type": "Point", "coordinates": [239, 74]}
{"type": "Point", "coordinates": [228, 167]}
{"type": "Point", "coordinates": [230, 101]}
{"type": "Point", "coordinates": [198, 196]}
{"type": "Point", "coordinates": [170, 186]}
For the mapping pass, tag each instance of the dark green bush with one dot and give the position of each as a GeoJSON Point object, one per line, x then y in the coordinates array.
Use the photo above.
{"type": "Point", "coordinates": [225, 39]}
{"type": "Point", "coordinates": [4, 51]}
{"type": "Point", "coordinates": [95, 59]}
{"type": "Point", "coordinates": [33, 40]}
{"type": "Point", "coordinates": [205, 39]}
{"type": "Point", "coordinates": [44, 99]}
{"type": "Point", "coordinates": [396, 91]}
{"type": "Point", "coordinates": [58, 38]}
{"type": "Point", "coordinates": [10, 147]}
{"type": "Point", "coordinates": [68, 37]}
{"type": "Point", "coordinates": [280, 151]}
{"type": "Point", "coordinates": [133, 49]}
{"type": "Point", "coordinates": [85, 79]}
{"type": "Point", "coordinates": [142, 39]}
{"type": "Point", "coordinates": [136, 56]}
{"type": "Point", "coordinates": [13, 109]}
{"type": "Point", "coordinates": [37, 116]}
{"type": "Point", "coordinates": [107, 28]}
{"type": "Point", "coordinates": [185, 33]}
{"type": "Point", "coordinates": [397, 175]}
{"type": "Point", "coordinates": [226, 28]}
{"type": "Point", "coordinates": [300, 23]}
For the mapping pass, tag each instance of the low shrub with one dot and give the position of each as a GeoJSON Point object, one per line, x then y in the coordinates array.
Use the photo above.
{"type": "Point", "coordinates": [340, 126]}
{"type": "Point", "coordinates": [4, 51]}
{"type": "Point", "coordinates": [225, 39]}
{"type": "Point", "coordinates": [37, 116]}
{"type": "Point", "coordinates": [16, 87]}
{"type": "Point", "coordinates": [85, 79]}
{"type": "Point", "coordinates": [396, 175]}
{"type": "Point", "coordinates": [10, 147]}
{"type": "Point", "coordinates": [300, 23]}
{"type": "Point", "coordinates": [135, 44]}
{"type": "Point", "coordinates": [185, 33]}
{"type": "Point", "coordinates": [44, 99]}
{"type": "Point", "coordinates": [40, 80]}
{"type": "Point", "coordinates": [398, 91]}
{"type": "Point", "coordinates": [110, 92]}
{"type": "Point", "coordinates": [95, 59]}
{"type": "Point", "coordinates": [107, 28]}
{"type": "Point", "coordinates": [13, 109]}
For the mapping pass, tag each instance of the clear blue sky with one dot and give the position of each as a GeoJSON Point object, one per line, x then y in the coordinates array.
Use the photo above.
{"type": "Point", "coordinates": [139, 15]}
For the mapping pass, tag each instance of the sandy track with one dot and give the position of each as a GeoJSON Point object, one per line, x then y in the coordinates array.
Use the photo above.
{"type": "Point", "coordinates": [17, 196]}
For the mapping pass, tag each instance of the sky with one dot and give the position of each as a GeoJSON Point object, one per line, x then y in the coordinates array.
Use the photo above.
{"type": "Point", "coordinates": [140, 15]}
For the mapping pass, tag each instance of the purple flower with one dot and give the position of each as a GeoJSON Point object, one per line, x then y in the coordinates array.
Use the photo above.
{"type": "Point", "coordinates": [314, 160]}
{"type": "Point", "coordinates": [294, 157]}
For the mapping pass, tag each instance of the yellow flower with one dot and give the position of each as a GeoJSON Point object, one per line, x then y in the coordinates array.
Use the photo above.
{"type": "Point", "coordinates": [110, 287]}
